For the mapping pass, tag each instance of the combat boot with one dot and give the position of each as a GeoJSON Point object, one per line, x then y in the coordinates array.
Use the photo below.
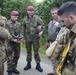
{"type": "Point", "coordinates": [38, 67]}
{"type": "Point", "coordinates": [9, 73]}
{"type": "Point", "coordinates": [28, 66]}
{"type": "Point", "coordinates": [50, 74]}
{"type": "Point", "coordinates": [15, 71]}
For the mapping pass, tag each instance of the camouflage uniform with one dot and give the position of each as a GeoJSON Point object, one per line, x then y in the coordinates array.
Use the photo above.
{"type": "Point", "coordinates": [4, 34]}
{"type": "Point", "coordinates": [31, 36]}
{"type": "Point", "coordinates": [13, 48]}
{"type": "Point", "coordinates": [69, 65]}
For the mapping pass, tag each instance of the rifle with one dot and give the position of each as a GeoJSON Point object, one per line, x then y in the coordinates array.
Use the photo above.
{"type": "Point", "coordinates": [64, 55]}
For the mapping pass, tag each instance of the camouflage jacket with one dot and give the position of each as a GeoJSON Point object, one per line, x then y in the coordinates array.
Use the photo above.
{"type": "Point", "coordinates": [2, 21]}
{"type": "Point", "coordinates": [62, 39]}
{"type": "Point", "coordinates": [13, 28]}
{"type": "Point", "coordinates": [30, 27]}
{"type": "Point", "coordinates": [4, 34]}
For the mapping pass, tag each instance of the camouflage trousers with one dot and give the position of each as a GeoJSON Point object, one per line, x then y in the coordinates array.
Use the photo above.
{"type": "Point", "coordinates": [36, 46]}
{"type": "Point", "coordinates": [2, 67]}
{"type": "Point", "coordinates": [13, 54]}
{"type": "Point", "coordinates": [55, 64]}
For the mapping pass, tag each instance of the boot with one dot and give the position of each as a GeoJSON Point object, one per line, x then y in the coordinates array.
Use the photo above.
{"type": "Point", "coordinates": [15, 71]}
{"type": "Point", "coordinates": [28, 66]}
{"type": "Point", "coordinates": [50, 74]}
{"type": "Point", "coordinates": [38, 67]}
{"type": "Point", "coordinates": [9, 73]}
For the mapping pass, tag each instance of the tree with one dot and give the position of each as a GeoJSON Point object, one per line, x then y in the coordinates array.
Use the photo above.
{"type": "Point", "coordinates": [19, 5]}
{"type": "Point", "coordinates": [1, 3]}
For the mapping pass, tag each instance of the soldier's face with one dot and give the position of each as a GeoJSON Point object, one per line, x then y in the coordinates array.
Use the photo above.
{"type": "Point", "coordinates": [54, 14]}
{"type": "Point", "coordinates": [30, 13]}
{"type": "Point", "coordinates": [14, 18]}
{"type": "Point", "coordinates": [67, 22]}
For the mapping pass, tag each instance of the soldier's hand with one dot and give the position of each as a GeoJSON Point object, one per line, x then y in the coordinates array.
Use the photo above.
{"type": "Point", "coordinates": [40, 34]}
{"type": "Point", "coordinates": [23, 41]}
{"type": "Point", "coordinates": [47, 45]}
{"type": "Point", "coordinates": [16, 40]}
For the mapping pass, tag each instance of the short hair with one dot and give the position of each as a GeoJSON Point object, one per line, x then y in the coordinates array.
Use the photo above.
{"type": "Point", "coordinates": [54, 8]}
{"type": "Point", "coordinates": [68, 8]}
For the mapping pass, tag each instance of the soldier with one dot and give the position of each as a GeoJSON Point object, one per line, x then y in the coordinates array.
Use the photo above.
{"type": "Point", "coordinates": [4, 34]}
{"type": "Point", "coordinates": [67, 13]}
{"type": "Point", "coordinates": [13, 47]}
{"type": "Point", "coordinates": [33, 29]}
{"type": "Point", "coordinates": [3, 19]}
{"type": "Point", "coordinates": [54, 26]}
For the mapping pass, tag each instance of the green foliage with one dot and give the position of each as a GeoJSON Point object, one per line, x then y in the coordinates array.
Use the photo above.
{"type": "Point", "coordinates": [19, 5]}
{"type": "Point", "coordinates": [1, 3]}
{"type": "Point", "coordinates": [22, 46]}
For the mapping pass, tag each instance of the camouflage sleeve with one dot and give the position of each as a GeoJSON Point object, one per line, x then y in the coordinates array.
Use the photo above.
{"type": "Point", "coordinates": [63, 36]}
{"type": "Point", "coordinates": [40, 23]}
{"type": "Point", "coordinates": [19, 28]}
{"type": "Point", "coordinates": [24, 27]}
{"type": "Point", "coordinates": [4, 33]}
{"type": "Point", "coordinates": [6, 26]}
{"type": "Point", "coordinates": [4, 18]}
{"type": "Point", "coordinates": [9, 33]}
